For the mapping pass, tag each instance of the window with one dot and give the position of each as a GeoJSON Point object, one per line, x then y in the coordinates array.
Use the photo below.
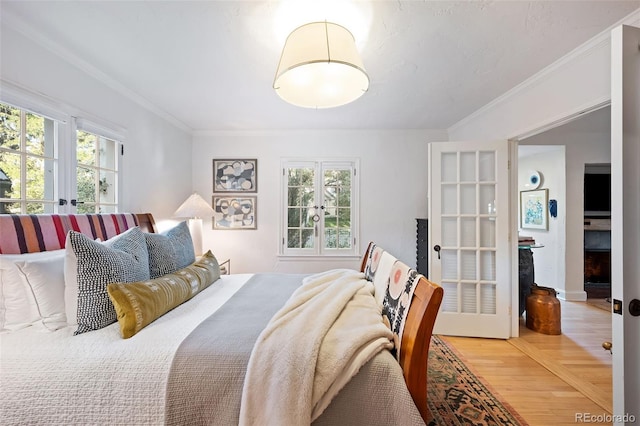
{"type": "Point", "coordinates": [28, 162]}
{"type": "Point", "coordinates": [96, 173]}
{"type": "Point", "coordinates": [321, 208]}
{"type": "Point", "coordinates": [43, 164]}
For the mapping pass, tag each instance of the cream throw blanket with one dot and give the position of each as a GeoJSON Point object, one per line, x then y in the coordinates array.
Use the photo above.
{"type": "Point", "coordinates": [329, 328]}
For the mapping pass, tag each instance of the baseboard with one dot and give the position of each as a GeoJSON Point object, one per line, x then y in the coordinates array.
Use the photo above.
{"type": "Point", "coordinates": [572, 296]}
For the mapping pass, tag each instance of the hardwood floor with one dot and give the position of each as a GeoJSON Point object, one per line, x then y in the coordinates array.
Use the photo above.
{"type": "Point", "coordinates": [549, 379]}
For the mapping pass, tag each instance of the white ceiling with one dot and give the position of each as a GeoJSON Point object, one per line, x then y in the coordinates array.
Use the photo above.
{"type": "Point", "coordinates": [210, 64]}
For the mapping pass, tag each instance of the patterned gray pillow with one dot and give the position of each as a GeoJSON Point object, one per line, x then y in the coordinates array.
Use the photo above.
{"type": "Point", "coordinates": [123, 258]}
{"type": "Point", "coordinates": [170, 250]}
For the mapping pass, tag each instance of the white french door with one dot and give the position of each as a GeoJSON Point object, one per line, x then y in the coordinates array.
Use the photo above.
{"type": "Point", "coordinates": [471, 253]}
{"type": "Point", "coordinates": [625, 221]}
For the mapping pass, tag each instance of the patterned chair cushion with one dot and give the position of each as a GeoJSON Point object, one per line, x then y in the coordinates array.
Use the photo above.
{"type": "Point", "coordinates": [394, 284]}
{"type": "Point", "coordinates": [402, 283]}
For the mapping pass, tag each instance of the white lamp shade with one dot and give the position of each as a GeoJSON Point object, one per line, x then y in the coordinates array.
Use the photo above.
{"type": "Point", "coordinates": [194, 206]}
{"type": "Point", "coordinates": [320, 67]}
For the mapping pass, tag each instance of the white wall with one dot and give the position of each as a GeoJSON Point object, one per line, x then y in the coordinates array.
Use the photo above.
{"type": "Point", "coordinates": [157, 156]}
{"type": "Point", "coordinates": [575, 83]}
{"type": "Point", "coordinates": [163, 165]}
{"type": "Point", "coordinates": [393, 189]}
{"type": "Point", "coordinates": [586, 140]}
{"type": "Point", "coordinates": [549, 261]}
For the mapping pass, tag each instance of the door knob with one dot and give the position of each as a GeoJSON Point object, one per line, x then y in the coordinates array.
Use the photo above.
{"type": "Point", "coordinates": [634, 308]}
{"type": "Point", "coordinates": [437, 249]}
{"type": "Point", "coordinates": [607, 346]}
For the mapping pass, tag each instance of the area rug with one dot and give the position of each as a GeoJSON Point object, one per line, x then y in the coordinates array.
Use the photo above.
{"type": "Point", "coordinates": [457, 396]}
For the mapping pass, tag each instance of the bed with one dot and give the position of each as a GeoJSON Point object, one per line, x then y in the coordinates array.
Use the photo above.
{"type": "Point", "coordinates": [194, 363]}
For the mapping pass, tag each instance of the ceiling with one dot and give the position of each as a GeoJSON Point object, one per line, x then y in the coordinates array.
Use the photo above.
{"type": "Point", "coordinates": [209, 65]}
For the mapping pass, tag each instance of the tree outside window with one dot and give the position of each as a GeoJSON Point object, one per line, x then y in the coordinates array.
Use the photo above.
{"type": "Point", "coordinates": [27, 162]}
{"type": "Point", "coordinates": [31, 149]}
{"type": "Point", "coordinates": [96, 173]}
{"type": "Point", "coordinates": [320, 207]}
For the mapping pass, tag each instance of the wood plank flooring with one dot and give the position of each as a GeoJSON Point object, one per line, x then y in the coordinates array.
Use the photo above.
{"type": "Point", "coordinates": [549, 379]}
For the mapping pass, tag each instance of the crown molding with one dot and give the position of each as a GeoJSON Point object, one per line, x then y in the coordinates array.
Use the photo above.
{"type": "Point", "coordinates": [583, 50]}
{"type": "Point", "coordinates": [28, 31]}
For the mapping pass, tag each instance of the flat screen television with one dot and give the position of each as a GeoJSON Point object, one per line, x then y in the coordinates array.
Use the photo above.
{"type": "Point", "coordinates": [597, 194]}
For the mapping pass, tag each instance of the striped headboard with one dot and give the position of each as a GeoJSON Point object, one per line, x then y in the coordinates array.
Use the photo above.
{"type": "Point", "coordinates": [24, 233]}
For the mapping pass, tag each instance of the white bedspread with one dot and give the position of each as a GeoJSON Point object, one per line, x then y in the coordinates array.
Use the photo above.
{"type": "Point", "coordinates": [119, 381]}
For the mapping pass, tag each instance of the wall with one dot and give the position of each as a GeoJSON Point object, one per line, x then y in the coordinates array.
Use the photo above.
{"type": "Point", "coordinates": [578, 82]}
{"type": "Point", "coordinates": [393, 190]}
{"type": "Point", "coordinates": [157, 152]}
{"type": "Point", "coordinates": [163, 165]}
{"type": "Point", "coordinates": [548, 261]}
{"type": "Point", "coordinates": [586, 140]}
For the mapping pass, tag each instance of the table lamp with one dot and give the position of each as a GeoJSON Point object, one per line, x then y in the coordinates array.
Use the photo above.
{"type": "Point", "coordinates": [195, 208]}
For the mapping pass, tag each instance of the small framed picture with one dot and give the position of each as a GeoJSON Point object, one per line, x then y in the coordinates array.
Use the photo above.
{"type": "Point", "coordinates": [234, 212]}
{"type": "Point", "coordinates": [235, 175]}
{"type": "Point", "coordinates": [534, 213]}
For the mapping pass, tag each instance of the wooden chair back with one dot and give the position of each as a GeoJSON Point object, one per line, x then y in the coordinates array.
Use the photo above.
{"type": "Point", "coordinates": [416, 337]}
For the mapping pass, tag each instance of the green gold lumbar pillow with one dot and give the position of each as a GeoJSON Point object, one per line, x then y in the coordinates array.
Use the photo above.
{"type": "Point", "coordinates": [138, 304]}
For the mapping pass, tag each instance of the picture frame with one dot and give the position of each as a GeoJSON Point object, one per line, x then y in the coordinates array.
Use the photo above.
{"type": "Point", "coordinates": [235, 175]}
{"type": "Point", "coordinates": [534, 212]}
{"type": "Point", "coordinates": [234, 212]}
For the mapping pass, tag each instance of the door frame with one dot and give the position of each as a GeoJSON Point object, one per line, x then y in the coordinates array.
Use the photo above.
{"type": "Point", "coordinates": [620, 407]}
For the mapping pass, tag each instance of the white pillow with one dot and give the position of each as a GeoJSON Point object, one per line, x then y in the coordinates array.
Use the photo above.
{"type": "Point", "coordinates": [70, 283]}
{"type": "Point", "coordinates": [18, 308]}
{"type": "Point", "coordinates": [45, 278]}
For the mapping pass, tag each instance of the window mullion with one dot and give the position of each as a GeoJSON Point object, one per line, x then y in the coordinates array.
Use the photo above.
{"type": "Point", "coordinates": [23, 161]}
{"type": "Point", "coordinates": [319, 188]}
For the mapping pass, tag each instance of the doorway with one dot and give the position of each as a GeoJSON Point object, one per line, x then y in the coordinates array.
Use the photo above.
{"type": "Point", "coordinates": [597, 231]}
{"type": "Point", "coordinates": [584, 141]}
{"type": "Point", "coordinates": [544, 165]}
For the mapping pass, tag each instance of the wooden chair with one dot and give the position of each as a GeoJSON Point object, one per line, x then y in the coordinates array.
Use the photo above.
{"type": "Point", "coordinates": [416, 338]}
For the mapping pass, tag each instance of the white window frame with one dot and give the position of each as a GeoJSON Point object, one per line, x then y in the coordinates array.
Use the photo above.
{"type": "Point", "coordinates": [105, 131]}
{"type": "Point", "coordinates": [65, 143]}
{"type": "Point", "coordinates": [52, 152]}
{"type": "Point", "coordinates": [320, 165]}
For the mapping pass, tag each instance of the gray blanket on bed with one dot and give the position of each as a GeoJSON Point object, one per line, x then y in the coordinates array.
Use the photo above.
{"type": "Point", "coordinates": [207, 375]}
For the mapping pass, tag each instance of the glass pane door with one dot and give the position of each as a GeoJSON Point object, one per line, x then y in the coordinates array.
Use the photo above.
{"type": "Point", "coordinates": [468, 183]}
{"type": "Point", "coordinates": [468, 250]}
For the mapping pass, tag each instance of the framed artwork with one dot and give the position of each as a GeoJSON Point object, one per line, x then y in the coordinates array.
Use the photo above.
{"type": "Point", "coordinates": [235, 175]}
{"type": "Point", "coordinates": [533, 209]}
{"type": "Point", "coordinates": [234, 212]}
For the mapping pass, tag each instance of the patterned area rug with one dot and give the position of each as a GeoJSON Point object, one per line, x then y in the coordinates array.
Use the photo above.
{"type": "Point", "coordinates": [456, 396]}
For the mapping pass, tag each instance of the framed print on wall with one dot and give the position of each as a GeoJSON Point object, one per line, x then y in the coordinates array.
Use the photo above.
{"type": "Point", "coordinates": [533, 209]}
{"type": "Point", "coordinates": [234, 212]}
{"type": "Point", "coordinates": [235, 175]}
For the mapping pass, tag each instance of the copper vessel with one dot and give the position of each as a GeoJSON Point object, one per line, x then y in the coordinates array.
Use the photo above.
{"type": "Point", "coordinates": [543, 310]}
